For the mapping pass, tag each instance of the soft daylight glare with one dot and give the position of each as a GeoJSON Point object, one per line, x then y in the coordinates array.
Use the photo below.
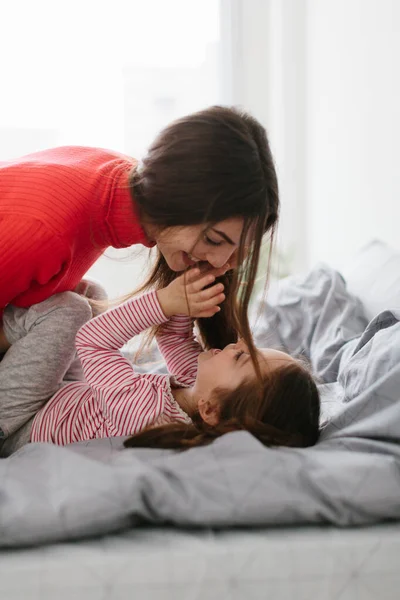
{"type": "Point", "coordinates": [79, 71]}
{"type": "Point", "coordinates": [106, 74]}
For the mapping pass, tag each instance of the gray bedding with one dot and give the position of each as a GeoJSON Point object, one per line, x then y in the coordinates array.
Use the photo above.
{"type": "Point", "coordinates": [352, 476]}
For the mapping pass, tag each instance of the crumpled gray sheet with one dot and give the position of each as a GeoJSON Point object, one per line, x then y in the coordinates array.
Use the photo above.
{"type": "Point", "coordinates": [351, 477]}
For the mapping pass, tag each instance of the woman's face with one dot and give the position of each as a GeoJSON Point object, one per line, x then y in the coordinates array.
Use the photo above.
{"type": "Point", "coordinates": [216, 244]}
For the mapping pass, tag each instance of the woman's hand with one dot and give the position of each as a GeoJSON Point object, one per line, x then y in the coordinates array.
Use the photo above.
{"type": "Point", "coordinates": [186, 295]}
{"type": "Point", "coordinates": [4, 343]}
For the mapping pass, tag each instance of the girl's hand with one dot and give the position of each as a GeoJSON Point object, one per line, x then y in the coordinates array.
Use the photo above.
{"type": "Point", "coordinates": [186, 294]}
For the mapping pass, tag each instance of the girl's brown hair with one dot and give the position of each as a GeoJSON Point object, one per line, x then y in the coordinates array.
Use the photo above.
{"type": "Point", "coordinates": [286, 413]}
{"type": "Point", "coordinates": [204, 168]}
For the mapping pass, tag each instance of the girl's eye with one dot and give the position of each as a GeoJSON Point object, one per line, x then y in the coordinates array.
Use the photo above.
{"type": "Point", "coordinates": [238, 354]}
{"type": "Point", "coordinates": [211, 242]}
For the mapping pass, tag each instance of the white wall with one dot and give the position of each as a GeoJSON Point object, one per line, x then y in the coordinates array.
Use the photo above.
{"type": "Point", "coordinates": [352, 125]}
{"type": "Point", "coordinates": [266, 58]}
{"type": "Point", "coordinates": [324, 77]}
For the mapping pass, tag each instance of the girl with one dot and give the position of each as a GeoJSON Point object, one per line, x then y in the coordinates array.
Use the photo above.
{"type": "Point", "coordinates": [204, 395]}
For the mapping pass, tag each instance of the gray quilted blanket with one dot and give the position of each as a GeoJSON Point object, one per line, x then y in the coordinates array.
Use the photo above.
{"type": "Point", "coordinates": [352, 476]}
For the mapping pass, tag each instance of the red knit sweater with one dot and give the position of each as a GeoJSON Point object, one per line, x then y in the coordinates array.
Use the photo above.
{"type": "Point", "coordinates": [59, 210]}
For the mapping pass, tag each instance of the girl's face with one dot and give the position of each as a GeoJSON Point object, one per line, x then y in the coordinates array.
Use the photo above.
{"type": "Point", "coordinates": [215, 244]}
{"type": "Point", "coordinates": [230, 367]}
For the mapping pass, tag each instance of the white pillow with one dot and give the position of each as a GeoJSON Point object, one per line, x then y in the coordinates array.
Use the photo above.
{"type": "Point", "coordinates": [374, 276]}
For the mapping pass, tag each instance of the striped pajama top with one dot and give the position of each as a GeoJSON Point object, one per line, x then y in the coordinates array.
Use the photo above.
{"type": "Point", "coordinates": [114, 400]}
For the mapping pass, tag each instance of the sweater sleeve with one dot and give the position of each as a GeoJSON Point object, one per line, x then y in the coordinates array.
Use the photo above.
{"type": "Point", "coordinates": [129, 401]}
{"type": "Point", "coordinates": [31, 256]}
{"type": "Point", "coordinates": [179, 348]}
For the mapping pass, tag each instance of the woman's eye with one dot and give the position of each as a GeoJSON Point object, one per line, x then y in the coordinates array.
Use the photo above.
{"type": "Point", "coordinates": [212, 242]}
{"type": "Point", "coordinates": [238, 354]}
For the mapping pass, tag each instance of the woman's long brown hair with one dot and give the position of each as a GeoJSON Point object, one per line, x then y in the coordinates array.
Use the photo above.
{"type": "Point", "coordinates": [204, 168]}
{"type": "Point", "coordinates": [286, 413]}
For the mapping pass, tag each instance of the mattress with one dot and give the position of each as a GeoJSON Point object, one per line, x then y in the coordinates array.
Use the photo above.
{"type": "Point", "coordinates": [308, 563]}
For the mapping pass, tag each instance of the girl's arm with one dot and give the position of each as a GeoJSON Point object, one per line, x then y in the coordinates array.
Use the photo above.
{"type": "Point", "coordinates": [187, 295]}
{"type": "Point", "coordinates": [112, 329]}
{"type": "Point", "coordinates": [179, 348]}
{"type": "Point", "coordinates": [129, 401]}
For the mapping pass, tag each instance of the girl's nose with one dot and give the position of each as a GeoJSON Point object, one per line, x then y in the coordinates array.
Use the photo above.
{"type": "Point", "coordinates": [241, 344]}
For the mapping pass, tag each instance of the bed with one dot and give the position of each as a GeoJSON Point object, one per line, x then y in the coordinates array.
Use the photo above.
{"type": "Point", "coordinates": [235, 520]}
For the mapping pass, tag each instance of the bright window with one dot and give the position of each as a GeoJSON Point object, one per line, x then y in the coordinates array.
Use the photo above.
{"type": "Point", "coordinates": [102, 73]}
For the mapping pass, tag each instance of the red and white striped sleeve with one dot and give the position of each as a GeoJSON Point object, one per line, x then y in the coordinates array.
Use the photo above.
{"type": "Point", "coordinates": [129, 401]}
{"type": "Point", "coordinates": [179, 348]}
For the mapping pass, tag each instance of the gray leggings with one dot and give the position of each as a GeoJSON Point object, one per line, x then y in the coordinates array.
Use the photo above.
{"type": "Point", "coordinates": [42, 358]}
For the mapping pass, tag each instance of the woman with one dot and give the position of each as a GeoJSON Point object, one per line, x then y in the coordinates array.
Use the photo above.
{"type": "Point", "coordinates": [206, 188]}
{"type": "Point", "coordinates": [206, 192]}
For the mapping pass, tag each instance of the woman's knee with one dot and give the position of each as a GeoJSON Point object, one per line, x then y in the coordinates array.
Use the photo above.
{"type": "Point", "coordinates": [68, 309]}
{"type": "Point", "coordinates": [95, 293]}
{"type": "Point", "coordinates": [74, 305]}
